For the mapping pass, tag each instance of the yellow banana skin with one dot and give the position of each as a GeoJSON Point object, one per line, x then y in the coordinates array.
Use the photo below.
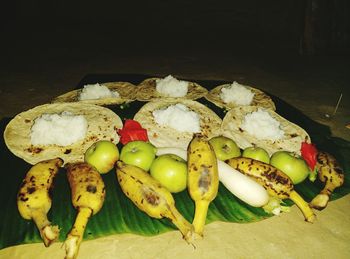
{"type": "Point", "coordinates": [203, 178]}
{"type": "Point", "coordinates": [88, 194]}
{"type": "Point", "coordinates": [277, 183]}
{"type": "Point", "coordinates": [330, 173]}
{"type": "Point", "coordinates": [33, 198]}
{"type": "Point", "coordinates": [151, 197]}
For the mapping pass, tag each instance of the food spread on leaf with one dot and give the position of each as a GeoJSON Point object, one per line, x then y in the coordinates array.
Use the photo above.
{"type": "Point", "coordinates": [171, 146]}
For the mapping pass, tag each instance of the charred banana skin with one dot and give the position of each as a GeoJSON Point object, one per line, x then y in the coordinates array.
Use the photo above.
{"type": "Point", "coordinates": [88, 194]}
{"type": "Point", "coordinates": [34, 197]}
{"type": "Point", "coordinates": [203, 178]}
{"type": "Point", "coordinates": [87, 186]}
{"type": "Point", "coordinates": [330, 173]}
{"type": "Point", "coordinates": [277, 183]}
{"type": "Point", "coordinates": [151, 197]}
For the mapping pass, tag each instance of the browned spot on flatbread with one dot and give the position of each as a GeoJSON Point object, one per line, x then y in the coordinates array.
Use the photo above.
{"type": "Point", "coordinates": [34, 150]}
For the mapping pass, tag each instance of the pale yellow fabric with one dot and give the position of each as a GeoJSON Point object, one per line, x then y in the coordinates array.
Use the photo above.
{"type": "Point", "coordinates": [285, 236]}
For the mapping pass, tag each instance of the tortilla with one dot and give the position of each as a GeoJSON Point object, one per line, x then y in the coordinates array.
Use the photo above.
{"type": "Point", "coordinates": [260, 98]}
{"type": "Point", "coordinates": [163, 136]}
{"type": "Point", "coordinates": [102, 125]}
{"type": "Point", "coordinates": [127, 93]}
{"type": "Point", "coordinates": [146, 91]}
{"type": "Point", "coordinates": [293, 134]}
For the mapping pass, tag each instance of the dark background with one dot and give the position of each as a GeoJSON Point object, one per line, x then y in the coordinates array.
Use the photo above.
{"type": "Point", "coordinates": [305, 27]}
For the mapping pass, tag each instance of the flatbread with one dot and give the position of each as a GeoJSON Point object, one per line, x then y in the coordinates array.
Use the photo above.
{"type": "Point", "coordinates": [163, 136]}
{"type": "Point", "coordinates": [260, 98]}
{"type": "Point", "coordinates": [127, 93]}
{"type": "Point", "coordinates": [293, 134]}
{"type": "Point", "coordinates": [146, 91]}
{"type": "Point", "coordinates": [102, 125]}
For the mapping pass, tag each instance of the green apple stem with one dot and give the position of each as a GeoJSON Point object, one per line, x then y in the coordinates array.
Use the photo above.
{"type": "Point", "coordinates": [303, 206]}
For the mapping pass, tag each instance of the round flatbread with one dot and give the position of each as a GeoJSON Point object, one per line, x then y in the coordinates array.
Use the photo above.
{"type": "Point", "coordinates": [291, 141]}
{"type": "Point", "coordinates": [102, 125]}
{"type": "Point", "coordinates": [146, 91]}
{"type": "Point", "coordinates": [260, 98]}
{"type": "Point", "coordinates": [164, 136]}
{"type": "Point", "coordinates": [127, 93]}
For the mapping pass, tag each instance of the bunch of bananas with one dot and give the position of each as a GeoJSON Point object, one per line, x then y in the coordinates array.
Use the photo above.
{"type": "Point", "coordinates": [34, 201]}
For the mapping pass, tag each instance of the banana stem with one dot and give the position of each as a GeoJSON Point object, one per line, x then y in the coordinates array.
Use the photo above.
{"type": "Point", "coordinates": [303, 206]}
{"type": "Point", "coordinates": [76, 234]}
{"type": "Point", "coordinates": [182, 224]}
{"type": "Point", "coordinates": [48, 232]}
{"type": "Point", "coordinates": [320, 201]}
{"type": "Point", "coordinates": [200, 216]}
{"type": "Point", "coordinates": [328, 188]}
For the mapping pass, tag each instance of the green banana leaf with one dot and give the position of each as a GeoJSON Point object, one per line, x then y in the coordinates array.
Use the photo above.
{"type": "Point", "coordinates": [119, 215]}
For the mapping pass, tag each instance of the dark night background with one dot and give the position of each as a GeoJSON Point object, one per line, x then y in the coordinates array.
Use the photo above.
{"type": "Point", "coordinates": [282, 47]}
{"type": "Point", "coordinates": [294, 26]}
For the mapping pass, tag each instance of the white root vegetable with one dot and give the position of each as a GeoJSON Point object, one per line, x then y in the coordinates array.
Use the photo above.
{"type": "Point", "coordinates": [240, 185]}
{"type": "Point", "coordinates": [243, 187]}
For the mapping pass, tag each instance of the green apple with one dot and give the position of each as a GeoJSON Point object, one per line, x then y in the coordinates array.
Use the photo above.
{"type": "Point", "coordinates": [171, 171]}
{"type": "Point", "coordinates": [291, 164]}
{"type": "Point", "coordinates": [224, 148]}
{"type": "Point", "coordinates": [257, 153]}
{"type": "Point", "coordinates": [102, 155]}
{"type": "Point", "coordinates": [138, 153]}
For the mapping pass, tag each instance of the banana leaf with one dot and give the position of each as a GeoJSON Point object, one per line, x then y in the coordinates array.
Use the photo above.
{"type": "Point", "coordinates": [119, 215]}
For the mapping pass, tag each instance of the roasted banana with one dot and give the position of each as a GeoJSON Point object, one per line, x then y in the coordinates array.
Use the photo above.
{"type": "Point", "coordinates": [203, 178]}
{"type": "Point", "coordinates": [151, 197]}
{"type": "Point", "coordinates": [88, 194]}
{"type": "Point", "coordinates": [33, 198]}
{"type": "Point", "coordinates": [330, 173]}
{"type": "Point", "coordinates": [277, 183]}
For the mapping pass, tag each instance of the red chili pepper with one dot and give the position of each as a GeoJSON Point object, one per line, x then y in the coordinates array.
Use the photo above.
{"type": "Point", "coordinates": [132, 131]}
{"type": "Point", "coordinates": [309, 153]}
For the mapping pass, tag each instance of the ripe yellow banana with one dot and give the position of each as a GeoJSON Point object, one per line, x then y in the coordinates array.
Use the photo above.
{"type": "Point", "coordinates": [203, 178]}
{"type": "Point", "coordinates": [151, 197]}
{"type": "Point", "coordinates": [88, 194]}
{"type": "Point", "coordinates": [277, 183]}
{"type": "Point", "coordinates": [330, 173]}
{"type": "Point", "coordinates": [33, 198]}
